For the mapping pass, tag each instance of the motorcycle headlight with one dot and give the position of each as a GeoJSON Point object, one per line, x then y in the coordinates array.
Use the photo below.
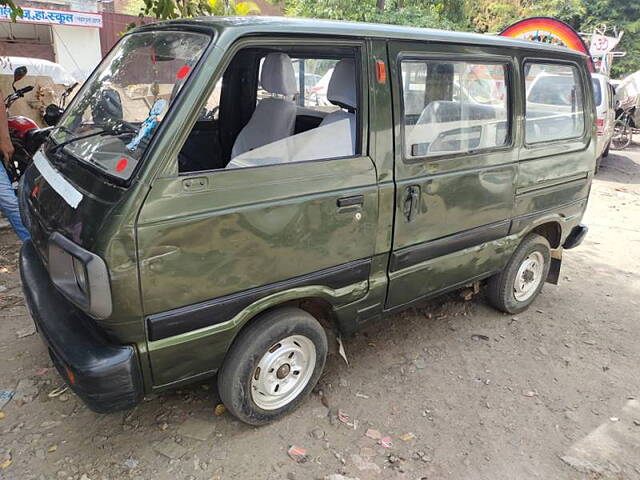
{"type": "Point", "coordinates": [81, 276]}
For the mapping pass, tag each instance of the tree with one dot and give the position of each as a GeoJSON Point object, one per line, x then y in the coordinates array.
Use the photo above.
{"type": "Point", "coordinates": [16, 11]}
{"type": "Point", "coordinates": [419, 13]}
{"type": "Point", "coordinates": [583, 15]}
{"type": "Point", "coordinates": [625, 15]}
{"type": "Point", "coordinates": [170, 9]}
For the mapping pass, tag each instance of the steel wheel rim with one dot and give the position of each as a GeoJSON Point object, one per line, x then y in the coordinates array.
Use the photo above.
{"type": "Point", "coordinates": [283, 372]}
{"type": "Point", "coordinates": [529, 276]}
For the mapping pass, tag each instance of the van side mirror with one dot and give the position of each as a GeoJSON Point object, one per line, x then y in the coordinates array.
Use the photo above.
{"type": "Point", "coordinates": [52, 114]}
{"type": "Point", "coordinates": [108, 108]}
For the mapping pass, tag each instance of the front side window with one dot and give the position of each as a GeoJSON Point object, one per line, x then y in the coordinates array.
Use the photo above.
{"type": "Point", "coordinates": [554, 108]}
{"type": "Point", "coordinates": [453, 107]}
{"type": "Point", "coordinates": [112, 120]}
{"type": "Point", "coordinates": [301, 106]}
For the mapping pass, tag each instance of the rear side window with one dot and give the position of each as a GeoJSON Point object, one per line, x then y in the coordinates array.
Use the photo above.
{"type": "Point", "coordinates": [554, 108]}
{"type": "Point", "coordinates": [597, 92]}
{"type": "Point", "coordinates": [453, 107]}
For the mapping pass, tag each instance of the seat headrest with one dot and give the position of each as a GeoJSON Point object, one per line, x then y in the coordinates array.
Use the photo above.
{"type": "Point", "coordinates": [441, 111]}
{"type": "Point", "coordinates": [342, 86]}
{"type": "Point", "coordinates": [277, 74]}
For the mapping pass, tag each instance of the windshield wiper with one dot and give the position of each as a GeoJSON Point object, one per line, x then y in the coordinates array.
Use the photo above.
{"type": "Point", "coordinates": [116, 131]}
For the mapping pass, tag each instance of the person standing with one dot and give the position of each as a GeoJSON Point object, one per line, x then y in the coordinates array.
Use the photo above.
{"type": "Point", "coordinates": [8, 200]}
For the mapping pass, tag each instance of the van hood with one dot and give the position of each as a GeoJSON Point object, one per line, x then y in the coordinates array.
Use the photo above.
{"type": "Point", "coordinates": [65, 197]}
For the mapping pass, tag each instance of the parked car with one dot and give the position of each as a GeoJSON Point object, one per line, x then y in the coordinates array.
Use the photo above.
{"type": "Point", "coordinates": [169, 245]}
{"type": "Point", "coordinates": [604, 99]}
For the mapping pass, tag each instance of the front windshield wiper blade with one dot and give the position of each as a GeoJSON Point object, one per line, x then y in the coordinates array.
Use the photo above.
{"type": "Point", "coordinates": [117, 131]}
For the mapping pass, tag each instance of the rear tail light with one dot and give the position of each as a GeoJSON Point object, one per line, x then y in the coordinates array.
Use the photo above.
{"type": "Point", "coordinates": [600, 126]}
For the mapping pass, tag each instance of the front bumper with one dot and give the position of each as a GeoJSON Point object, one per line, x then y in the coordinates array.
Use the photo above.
{"type": "Point", "coordinates": [104, 375]}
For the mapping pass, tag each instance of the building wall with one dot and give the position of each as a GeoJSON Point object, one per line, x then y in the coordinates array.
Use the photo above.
{"type": "Point", "coordinates": [25, 49]}
{"type": "Point", "coordinates": [77, 49]}
{"type": "Point", "coordinates": [113, 25]}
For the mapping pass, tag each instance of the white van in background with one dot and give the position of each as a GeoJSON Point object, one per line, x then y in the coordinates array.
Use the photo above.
{"type": "Point", "coordinates": [604, 99]}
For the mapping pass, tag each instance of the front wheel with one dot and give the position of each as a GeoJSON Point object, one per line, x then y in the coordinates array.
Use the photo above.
{"type": "Point", "coordinates": [273, 365]}
{"type": "Point", "coordinates": [520, 282]}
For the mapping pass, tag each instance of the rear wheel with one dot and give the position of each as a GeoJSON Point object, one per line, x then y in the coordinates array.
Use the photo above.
{"type": "Point", "coordinates": [273, 365]}
{"type": "Point", "coordinates": [621, 135]}
{"type": "Point", "coordinates": [520, 282]}
{"type": "Point", "coordinates": [606, 150]}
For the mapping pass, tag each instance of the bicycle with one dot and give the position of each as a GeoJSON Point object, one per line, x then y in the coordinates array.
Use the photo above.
{"type": "Point", "coordinates": [623, 128]}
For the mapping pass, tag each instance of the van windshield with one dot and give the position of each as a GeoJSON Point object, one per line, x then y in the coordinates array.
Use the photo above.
{"type": "Point", "coordinates": [113, 118]}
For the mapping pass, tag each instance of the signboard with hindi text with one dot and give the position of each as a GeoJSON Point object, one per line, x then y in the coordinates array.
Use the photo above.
{"type": "Point", "coordinates": [54, 17]}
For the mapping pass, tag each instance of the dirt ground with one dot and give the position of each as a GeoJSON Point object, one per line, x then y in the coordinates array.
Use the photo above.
{"type": "Point", "coordinates": [463, 392]}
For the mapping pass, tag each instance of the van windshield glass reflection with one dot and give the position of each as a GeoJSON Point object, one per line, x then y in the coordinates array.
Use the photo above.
{"type": "Point", "coordinates": [112, 120]}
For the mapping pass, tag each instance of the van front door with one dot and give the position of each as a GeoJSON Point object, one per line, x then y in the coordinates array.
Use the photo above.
{"type": "Point", "coordinates": [455, 165]}
{"type": "Point", "coordinates": [285, 215]}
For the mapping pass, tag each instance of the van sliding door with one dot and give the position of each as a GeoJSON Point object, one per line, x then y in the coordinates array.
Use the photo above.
{"type": "Point", "coordinates": [455, 167]}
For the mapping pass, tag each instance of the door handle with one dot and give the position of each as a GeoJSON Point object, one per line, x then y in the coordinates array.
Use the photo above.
{"type": "Point", "coordinates": [350, 201]}
{"type": "Point", "coordinates": [411, 200]}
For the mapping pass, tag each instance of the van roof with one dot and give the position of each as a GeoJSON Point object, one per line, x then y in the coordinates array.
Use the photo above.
{"type": "Point", "coordinates": [257, 24]}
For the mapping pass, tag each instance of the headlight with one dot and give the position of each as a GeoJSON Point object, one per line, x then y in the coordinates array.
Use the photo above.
{"type": "Point", "coordinates": [80, 275]}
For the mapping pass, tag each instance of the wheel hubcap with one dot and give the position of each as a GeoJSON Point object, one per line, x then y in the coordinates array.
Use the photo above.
{"type": "Point", "coordinates": [283, 372]}
{"type": "Point", "coordinates": [529, 277]}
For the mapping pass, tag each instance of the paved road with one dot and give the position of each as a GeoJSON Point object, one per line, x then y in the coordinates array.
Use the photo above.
{"type": "Point", "coordinates": [553, 393]}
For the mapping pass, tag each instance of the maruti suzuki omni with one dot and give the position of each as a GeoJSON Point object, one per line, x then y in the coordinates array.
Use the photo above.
{"type": "Point", "coordinates": [205, 207]}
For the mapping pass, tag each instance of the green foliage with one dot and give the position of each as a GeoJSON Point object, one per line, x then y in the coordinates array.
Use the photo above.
{"type": "Point", "coordinates": [16, 11]}
{"type": "Point", "coordinates": [583, 15]}
{"type": "Point", "coordinates": [626, 16]}
{"type": "Point", "coordinates": [431, 13]}
{"type": "Point", "coordinates": [170, 9]}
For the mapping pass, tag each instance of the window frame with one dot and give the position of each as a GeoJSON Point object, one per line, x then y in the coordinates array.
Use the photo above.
{"type": "Point", "coordinates": [585, 101]}
{"type": "Point", "coordinates": [506, 61]}
{"type": "Point", "coordinates": [362, 113]}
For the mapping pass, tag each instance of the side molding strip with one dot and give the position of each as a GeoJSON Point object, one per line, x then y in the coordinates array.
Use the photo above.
{"type": "Point", "coordinates": [222, 309]}
{"type": "Point", "coordinates": [421, 252]}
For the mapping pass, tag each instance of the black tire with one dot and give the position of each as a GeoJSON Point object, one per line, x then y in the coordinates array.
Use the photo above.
{"type": "Point", "coordinates": [598, 162]}
{"type": "Point", "coordinates": [622, 135]}
{"type": "Point", "coordinates": [501, 288]}
{"type": "Point", "coordinates": [606, 150]}
{"type": "Point", "coordinates": [241, 362]}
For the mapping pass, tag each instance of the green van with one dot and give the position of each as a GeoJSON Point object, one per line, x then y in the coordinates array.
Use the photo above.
{"type": "Point", "coordinates": [223, 190]}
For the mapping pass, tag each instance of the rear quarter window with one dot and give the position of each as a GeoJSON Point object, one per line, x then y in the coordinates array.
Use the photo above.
{"type": "Point", "coordinates": [554, 104]}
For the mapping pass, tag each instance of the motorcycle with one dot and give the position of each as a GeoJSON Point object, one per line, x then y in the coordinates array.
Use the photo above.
{"type": "Point", "coordinates": [623, 128]}
{"type": "Point", "coordinates": [26, 135]}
